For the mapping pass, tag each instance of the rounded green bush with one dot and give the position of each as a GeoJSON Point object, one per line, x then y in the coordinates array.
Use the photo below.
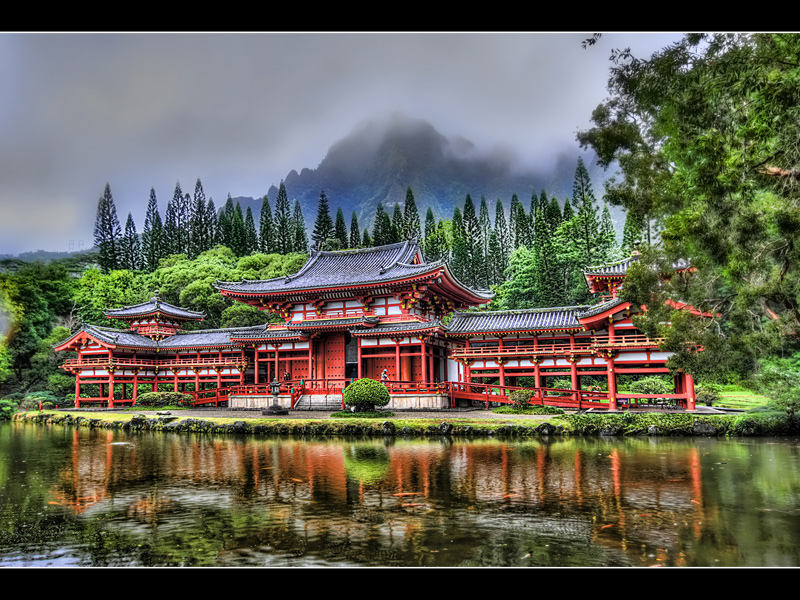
{"type": "Point", "coordinates": [160, 399]}
{"type": "Point", "coordinates": [365, 394]}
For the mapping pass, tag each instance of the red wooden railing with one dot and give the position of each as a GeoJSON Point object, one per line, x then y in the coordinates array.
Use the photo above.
{"type": "Point", "coordinates": [580, 347]}
{"type": "Point", "coordinates": [143, 362]}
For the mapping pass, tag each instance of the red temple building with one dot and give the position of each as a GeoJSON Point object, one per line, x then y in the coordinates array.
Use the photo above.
{"type": "Point", "coordinates": [377, 313]}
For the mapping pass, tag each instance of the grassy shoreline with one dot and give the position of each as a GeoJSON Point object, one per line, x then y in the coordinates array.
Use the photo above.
{"type": "Point", "coordinates": [618, 424]}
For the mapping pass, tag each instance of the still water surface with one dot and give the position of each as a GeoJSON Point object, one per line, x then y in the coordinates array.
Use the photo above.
{"type": "Point", "coordinates": [80, 497]}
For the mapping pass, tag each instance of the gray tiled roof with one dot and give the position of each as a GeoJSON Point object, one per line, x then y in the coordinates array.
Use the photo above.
{"type": "Point", "coordinates": [399, 327]}
{"type": "Point", "coordinates": [619, 267]}
{"type": "Point", "coordinates": [343, 268]}
{"type": "Point", "coordinates": [201, 338]}
{"type": "Point", "coordinates": [565, 317]}
{"type": "Point", "coordinates": [600, 308]}
{"type": "Point", "coordinates": [152, 306]}
{"type": "Point", "coordinates": [515, 320]}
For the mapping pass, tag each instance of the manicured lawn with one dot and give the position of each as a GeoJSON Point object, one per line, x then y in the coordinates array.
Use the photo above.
{"type": "Point", "coordinates": [734, 396]}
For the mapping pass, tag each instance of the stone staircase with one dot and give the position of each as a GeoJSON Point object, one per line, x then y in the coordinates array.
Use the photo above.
{"type": "Point", "coordinates": [330, 402]}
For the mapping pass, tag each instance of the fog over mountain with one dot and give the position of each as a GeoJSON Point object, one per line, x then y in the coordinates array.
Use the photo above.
{"type": "Point", "coordinates": [383, 156]}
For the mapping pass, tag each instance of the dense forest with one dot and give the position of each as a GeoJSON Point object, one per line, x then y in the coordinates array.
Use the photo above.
{"type": "Point", "coordinates": [704, 134]}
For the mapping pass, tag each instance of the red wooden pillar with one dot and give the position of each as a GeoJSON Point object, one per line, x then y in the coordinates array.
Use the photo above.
{"type": "Point", "coordinates": [77, 390]}
{"type": "Point", "coordinates": [424, 358]}
{"type": "Point", "coordinates": [111, 391]}
{"type": "Point", "coordinates": [688, 384]}
{"type": "Point", "coordinates": [397, 358]}
{"type": "Point", "coordinates": [612, 383]}
{"type": "Point", "coordinates": [256, 365]}
{"type": "Point", "coordinates": [467, 366]}
{"type": "Point", "coordinates": [135, 394]}
{"type": "Point", "coordinates": [358, 348]}
{"type": "Point", "coordinates": [537, 374]}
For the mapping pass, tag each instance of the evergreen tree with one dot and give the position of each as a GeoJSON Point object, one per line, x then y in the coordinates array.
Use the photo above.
{"type": "Point", "coordinates": [210, 223]}
{"type": "Point", "coordinates": [323, 226]}
{"type": "Point", "coordinates": [250, 235]}
{"type": "Point", "coordinates": [300, 232]}
{"type": "Point", "coordinates": [587, 225]}
{"type": "Point", "coordinates": [382, 229]}
{"type": "Point", "coordinates": [476, 260]}
{"type": "Point", "coordinates": [107, 232]}
{"type": "Point", "coordinates": [485, 222]}
{"type": "Point", "coordinates": [284, 233]}
{"type": "Point", "coordinates": [266, 228]}
{"type": "Point", "coordinates": [131, 254]}
{"type": "Point", "coordinates": [460, 252]}
{"type": "Point", "coordinates": [199, 241]}
{"type": "Point", "coordinates": [411, 217]}
{"type": "Point", "coordinates": [238, 232]}
{"type": "Point", "coordinates": [341, 229]}
{"type": "Point", "coordinates": [170, 231]}
{"type": "Point", "coordinates": [518, 223]}
{"type": "Point", "coordinates": [503, 238]}
{"type": "Point", "coordinates": [398, 224]}
{"type": "Point", "coordinates": [429, 247]}
{"type": "Point", "coordinates": [225, 224]}
{"type": "Point", "coordinates": [366, 240]}
{"type": "Point", "coordinates": [633, 232]}
{"type": "Point", "coordinates": [607, 247]}
{"type": "Point", "coordinates": [152, 234]}
{"type": "Point", "coordinates": [355, 232]}
{"type": "Point", "coordinates": [553, 215]}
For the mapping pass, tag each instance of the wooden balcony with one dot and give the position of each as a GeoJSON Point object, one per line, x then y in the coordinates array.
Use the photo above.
{"type": "Point", "coordinates": [619, 342]}
{"type": "Point", "coordinates": [164, 363]}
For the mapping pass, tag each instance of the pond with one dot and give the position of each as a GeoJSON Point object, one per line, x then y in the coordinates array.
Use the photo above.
{"type": "Point", "coordinates": [83, 497]}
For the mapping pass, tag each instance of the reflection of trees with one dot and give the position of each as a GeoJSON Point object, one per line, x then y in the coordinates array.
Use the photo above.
{"type": "Point", "coordinates": [176, 499]}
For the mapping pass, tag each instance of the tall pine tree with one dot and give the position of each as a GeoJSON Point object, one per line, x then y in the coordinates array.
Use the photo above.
{"type": "Point", "coordinates": [323, 226]}
{"type": "Point", "coordinates": [284, 232]}
{"type": "Point", "coordinates": [107, 232]}
{"type": "Point", "coordinates": [341, 229]}
{"type": "Point", "coordinates": [266, 230]}
{"type": "Point", "coordinates": [411, 217]}
{"type": "Point", "coordinates": [355, 232]}
{"type": "Point", "coordinates": [152, 244]}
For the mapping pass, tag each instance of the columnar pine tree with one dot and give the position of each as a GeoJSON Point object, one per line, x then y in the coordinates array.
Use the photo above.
{"type": "Point", "coordinates": [398, 224]}
{"type": "Point", "coordinates": [382, 229]}
{"type": "Point", "coordinates": [323, 226]}
{"type": "Point", "coordinates": [107, 232]}
{"type": "Point", "coordinates": [607, 237]}
{"type": "Point", "coordinates": [633, 231]}
{"type": "Point", "coordinates": [250, 235]}
{"type": "Point", "coordinates": [355, 232]}
{"type": "Point", "coordinates": [366, 240]}
{"type": "Point", "coordinates": [429, 247]}
{"type": "Point", "coordinates": [411, 217]}
{"type": "Point", "coordinates": [459, 251]}
{"type": "Point", "coordinates": [198, 236]}
{"type": "Point", "coordinates": [131, 254]}
{"type": "Point", "coordinates": [266, 231]}
{"type": "Point", "coordinates": [238, 233]}
{"type": "Point", "coordinates": [210, 223]}
{"type": "Point", "coordinates": [340, 231]}
{"type": "Point", "coordinates": [300, 232]}
{"type": "Point", "coordinates": [152, 234]}
{"type": "Point", "coordinates": [476, 261]}
{"type": "Point", "coordinates": [503, 236]}
{"type": "Point", "coordinates": [284, 232]}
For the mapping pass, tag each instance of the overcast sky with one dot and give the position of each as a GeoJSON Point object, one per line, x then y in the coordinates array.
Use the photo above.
{"type": "Point", "coordinates": [241, 110]}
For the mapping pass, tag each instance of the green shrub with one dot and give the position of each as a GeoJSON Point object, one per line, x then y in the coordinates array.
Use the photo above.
{"type": "Point", "coordinates": [520, 399]}
{"type": "Point", "coordinates": [365, 394]}
{"type": "Point", "coordinates": [7, 408]}
{"type": "Point", "coordinates": [708, 393]}
{"type": "Point", "coordinates": [161, 399]}
{"type": "Point", "coordinates": [649, 385]}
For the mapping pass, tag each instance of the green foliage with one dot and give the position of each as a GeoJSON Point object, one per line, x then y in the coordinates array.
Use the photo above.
{"type": "Point", "coordinates": [708, 393]}
{"type": "Point", "coordinates": [528, 410]}
{"type": "Point", "coordinates": [7, 408]}
{"type": "Point", "coordinates": [705, 134]}
{"type": "Point", "coordinates": [364, 394]}
{"type": "Point", "coordinates": [347, 414]}
{"type": "Point", "coordinates": [779, 379]}
{"type": "Point", "coordinates": [649, 385]}
{"type": "Point", "coordinates": [161, 399]}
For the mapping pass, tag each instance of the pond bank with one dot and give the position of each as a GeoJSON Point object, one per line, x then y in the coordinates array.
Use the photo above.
{"type": "Point", "coordinates": [448, 423]}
